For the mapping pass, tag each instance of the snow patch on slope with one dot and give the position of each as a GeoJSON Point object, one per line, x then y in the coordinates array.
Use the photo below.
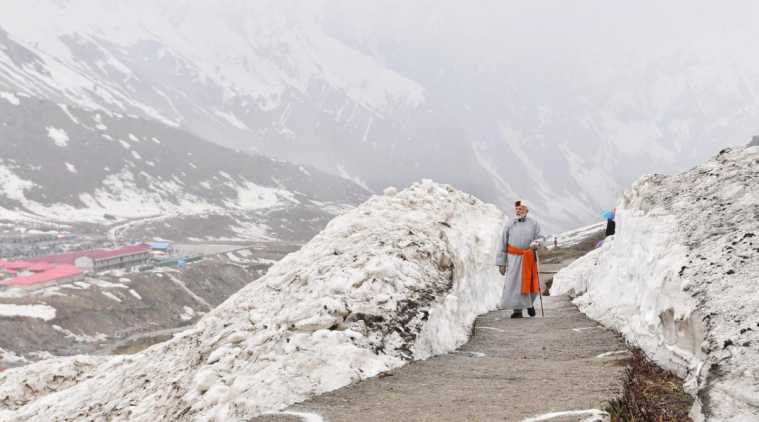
{"type": "Point", "coordinates": [401, 277]}
{"type": "Point", "coordinates": [58, 136]}
{"type": "Point", "coordinates": [11, 185]}
{"type": "Point", "coordinates": [43, 312]}
{"type": "Point", "coordinates": [10, 97]}
{"type": "Point", "coordinates": [123, 197]}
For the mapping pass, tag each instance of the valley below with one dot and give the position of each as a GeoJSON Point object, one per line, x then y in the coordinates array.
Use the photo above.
{"type": "Point", "coordinates": [125, 312]}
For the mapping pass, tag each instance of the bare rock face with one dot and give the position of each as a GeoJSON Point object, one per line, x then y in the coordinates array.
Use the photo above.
{"type": "Point", "coordinates": [754, 142]}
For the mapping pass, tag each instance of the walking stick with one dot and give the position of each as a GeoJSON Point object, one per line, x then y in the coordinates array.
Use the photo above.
{"type": "Point", "coordinates": [540, 285]}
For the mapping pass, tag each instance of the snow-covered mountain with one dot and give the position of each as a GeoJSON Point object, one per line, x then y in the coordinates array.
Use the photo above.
{"type": "Point", "coordinates": [61, 164]}
{"type": "Point", "coordinates": [679, 279]}
{"type": "Point", "coordinates": [551, 104]}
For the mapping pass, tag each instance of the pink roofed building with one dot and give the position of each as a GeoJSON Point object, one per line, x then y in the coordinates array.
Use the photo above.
{"type": "Point", "coordinates": [56, 274]}
{"type": "Point", "coordinates": [71, 266]}
{"type": "Point", "coordinates": [70, 257]}
{"type": "Point", "coordinates": [15, 266]}
{"type": "Point", "coordinates": [100, 259]}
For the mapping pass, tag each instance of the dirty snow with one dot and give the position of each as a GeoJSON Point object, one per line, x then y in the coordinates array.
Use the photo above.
{"type": "Point", "coordinates": [396, 279]}
{"type": "Point", "coordinates": [43, 312]}
{"type": "Point", "coordinates": [18, 387]}
{"type": "Point", "coordinates": [678, 280]}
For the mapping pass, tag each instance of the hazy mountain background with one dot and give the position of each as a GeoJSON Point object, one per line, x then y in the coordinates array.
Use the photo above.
{"type": "Point", "coordinates": [559, 102]}
{"type": "Point", "coordinates": [62, 164]}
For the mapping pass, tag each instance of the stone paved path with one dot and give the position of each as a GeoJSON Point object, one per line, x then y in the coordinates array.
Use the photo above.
{"type": "Point", "coordinates": [510, 370]}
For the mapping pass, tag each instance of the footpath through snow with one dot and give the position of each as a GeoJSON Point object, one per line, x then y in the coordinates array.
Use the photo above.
{"type": "Point", "coordinates": [401, 277]}
{"type": "Point", "coordinates": [563, 367]}
{"type": "Point", "coordinates": [679, 279]}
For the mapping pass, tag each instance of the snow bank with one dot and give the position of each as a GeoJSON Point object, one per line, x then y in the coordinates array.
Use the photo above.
{"type": "Point", "coordinates": [679, 279]}
{"type": "Point", "coordinates": [401, 277]}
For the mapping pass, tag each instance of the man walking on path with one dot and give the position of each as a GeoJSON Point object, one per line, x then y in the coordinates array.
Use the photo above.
{"type": "Point", "coordinates": [516, 260]}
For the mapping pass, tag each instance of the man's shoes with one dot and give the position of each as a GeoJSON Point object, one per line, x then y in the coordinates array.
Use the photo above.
{"type": "Point", "coordinates": [531, 311]}
{"type": "Point", "coordinates": [517, 313]}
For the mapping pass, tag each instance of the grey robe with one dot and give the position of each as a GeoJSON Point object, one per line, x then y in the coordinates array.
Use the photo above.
{"type": "Point", "coordinates": [520, 234]}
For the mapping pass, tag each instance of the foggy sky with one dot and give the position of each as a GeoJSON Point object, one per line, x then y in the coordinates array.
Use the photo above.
{"type": "Point", "coordinates": [567, 100]}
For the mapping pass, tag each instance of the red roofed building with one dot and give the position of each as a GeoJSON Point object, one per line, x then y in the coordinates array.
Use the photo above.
{"type": "Point", "coordinates": [43, 270]}
{"type": "Point", "coordinates": [15, 266]}
{"type": "Point", "coordinates": [39, 267]}
{"type": "Point", "coordinates": [55, 274]}
{"type": "Point", "coordinates": [100, 259]}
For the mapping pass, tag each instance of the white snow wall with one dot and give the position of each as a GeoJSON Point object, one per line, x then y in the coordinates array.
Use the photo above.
{"type": "Point", "coordinates": [679, 279]}
{"type": "Point", "coordinates": [401, 277]}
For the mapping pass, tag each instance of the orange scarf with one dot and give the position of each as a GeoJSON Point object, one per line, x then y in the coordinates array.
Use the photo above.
{"type": "Point", "coordinates": [530, 280]}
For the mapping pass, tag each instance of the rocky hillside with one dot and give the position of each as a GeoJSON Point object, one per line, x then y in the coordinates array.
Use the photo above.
{"type": "Point", "coordinates": [114, 313]}
{"type": "Point", "coordinates": [679, 279]}
{"type": "Point", "coordinates": [139, 177]}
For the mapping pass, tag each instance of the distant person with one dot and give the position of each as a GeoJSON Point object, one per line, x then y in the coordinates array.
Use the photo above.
{"type": "Point", "coordinates": [516, 260]}
{"type": "Point", "coordinates": [611, 227]}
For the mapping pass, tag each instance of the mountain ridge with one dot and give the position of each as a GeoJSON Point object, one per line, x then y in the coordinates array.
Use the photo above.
{"type": "Point", "coordinates": [75, 166]}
